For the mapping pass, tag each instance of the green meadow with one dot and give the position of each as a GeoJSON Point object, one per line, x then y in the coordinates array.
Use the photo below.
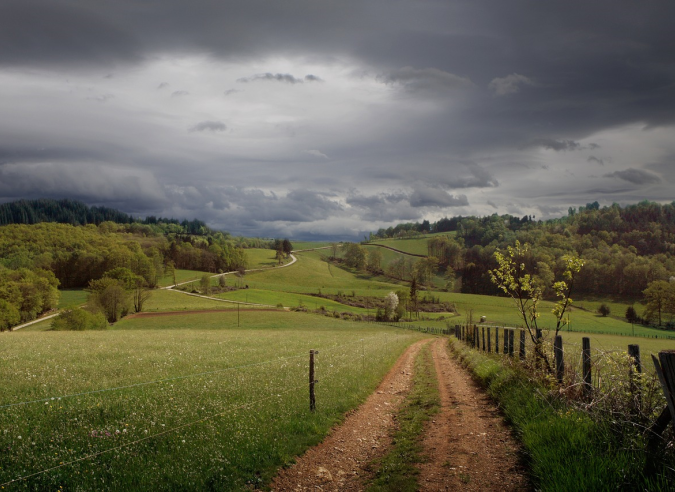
{"type": "Point", "coordinates": [185, 401]}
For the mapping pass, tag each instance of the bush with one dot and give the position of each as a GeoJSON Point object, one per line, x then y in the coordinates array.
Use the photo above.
{"type": "Point", "coordinates": [79, 320]}
{"type": "Point", "coordinates": [604, 310]}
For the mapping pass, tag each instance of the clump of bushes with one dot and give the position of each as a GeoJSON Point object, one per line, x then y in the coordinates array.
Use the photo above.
{"type": "Point", "coordinates": [78, 319]}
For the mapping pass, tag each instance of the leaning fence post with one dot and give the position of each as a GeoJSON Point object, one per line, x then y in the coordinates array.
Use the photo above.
{"type": "Point", "coordinates": [489, 341]}
{"type": "Point", "coordinates": [586, 362]}
{"type": "Point", "coordinates": [559, 361]}
{"type": "Point", "coordinates": [312, 397]}
{"type": "Point", "coordinates": [521, 352]}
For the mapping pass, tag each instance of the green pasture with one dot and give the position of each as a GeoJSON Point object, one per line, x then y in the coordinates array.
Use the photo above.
{"type": "Point", "coordinates": [310, 273]}
{"type": "Point", "coordinates": [179, 402]}
{"type": "Point", "coordinates": [414, 246]}
{"type": "Point", "coordinates": [309, 244]}
{"type": "Point", "coordinates": [171, 300]}
{"type": "Point", "coordinates": [263, 258]}
{"type": "Point", "coordinates": [181, 276]}
{"type": "Point", "coordinates": [72, 297]}
{"type": "Point", "coordinates": [288, 299]}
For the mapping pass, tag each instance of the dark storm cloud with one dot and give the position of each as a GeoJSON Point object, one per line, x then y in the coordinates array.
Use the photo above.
{"type": "Point", "coordinates": [52, 33]}
{"type": "Point", "coordinates": [597, 160]}
{"type": "Point", "coordinates": [436, 197]}
{"type": "Point", "coordinates": [211, 126]}
{"type": "Point", "coordinates": [467, 175]}
{"type": "Point", "coordinates": [635, 176]}
{"type": "Point", "coordinates": [510, 84]}
{"type": "Point", "coordinates": [434, 88]}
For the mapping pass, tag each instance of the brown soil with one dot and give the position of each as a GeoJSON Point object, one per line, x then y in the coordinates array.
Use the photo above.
{"type": "Point", "coordinates": [176, 313]}
{"type": "Point", "coordinates": [467, 444]}
{"type": "Point", "coordinates": [341, 461]}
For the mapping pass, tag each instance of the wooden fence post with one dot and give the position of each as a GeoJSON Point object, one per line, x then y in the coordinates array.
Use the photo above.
{"type": "Point", "coordinates": [634, 352]}
{"type": "Point", "coordinates": [522, 345]}
{"type": "Point", "coordinates": [483, 330]}
{"type": "Point", "coordinates": [476, 338]}
{"type": "Point", "coordinates": [512, 333]}
{"type": "Point", "coordinates": [586, 363]}
{"type": "Point", "coordinates": [506, 341]}
{"type": "Point", "coordinates": [559, 361]}
{"type": "Point", "coordinates": [489, 341]}
{"type": "Point", "coordinates": [496, 339]}
{"type": "Point", "coordinates": [636, 366]}
{"type": "Point", "coordinates": [312, 397]}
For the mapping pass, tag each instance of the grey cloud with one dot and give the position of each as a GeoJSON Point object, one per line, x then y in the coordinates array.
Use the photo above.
{"type": "Point", "coordinates": [509, 84]}
{"type": "Point", "coordinates": [313, 78]}
{"type": "Point", "coordinates": [102, 98]}
{"type": "Point", "coordinates": [316, 153]}
{"type": "Point", "coordinates": [51, 33]}
{"type": "Point", "coordinates": [276, 77]}
{"type": "Point", "coordinates": [126, 188]}
{"type": "Point", "coordinates": [426, 80]}
{"type": "Point", "coordinates": [468, 175]}
{"type": "Point", "coordinates": [436, 197]}
{"type": "Point", "coordinates": [492, 204]}
{"type": "Point", "coordinates": [231, 91]}
{"type": "Point", "coordinates": [179, 93]}
{"type": "Point", "coordinates": [162, 85]}
{"type": "Point", "coordinates": [212, 126]}
{"type": "Point", "coordinates": [635, 176]}
{"type": "Point", "coordinates": [595, 159]}
{"type": "Point", "coordinates": [557, 145]}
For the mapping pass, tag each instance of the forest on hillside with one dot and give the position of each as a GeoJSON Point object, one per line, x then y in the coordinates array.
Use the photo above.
{"type": "Point", "coordinates": [37, 259]}
{"type": "Point", "coordinates": [624, 248]}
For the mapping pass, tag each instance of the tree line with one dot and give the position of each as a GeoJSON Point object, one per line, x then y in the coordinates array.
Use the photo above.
{"type": "Point", "coordinates": [35, 260]}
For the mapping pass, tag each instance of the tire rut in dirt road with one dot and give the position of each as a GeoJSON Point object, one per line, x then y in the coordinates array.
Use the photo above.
{"type": "Point", "coordinates": [467, 445]}
{"type": "Point", "coordinates": [340, 462]}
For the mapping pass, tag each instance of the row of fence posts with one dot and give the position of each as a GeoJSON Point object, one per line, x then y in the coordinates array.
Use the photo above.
{"type": "Point", "coordinates": [480, 338]}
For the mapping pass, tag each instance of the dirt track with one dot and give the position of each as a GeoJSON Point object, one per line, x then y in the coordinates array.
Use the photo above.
{"type": "Point", "coordinates": [467, 446]}
{"type": "Point", "coordinates": [340, 463]}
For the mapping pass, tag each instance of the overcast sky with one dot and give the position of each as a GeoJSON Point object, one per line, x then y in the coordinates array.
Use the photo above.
{"type": "Point", "coordinates": [310, 118]}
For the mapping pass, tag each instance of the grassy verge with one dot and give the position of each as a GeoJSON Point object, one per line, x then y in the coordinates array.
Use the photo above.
{"type": "Point", "coordinates": [397, 471]}
{"type": "Point", "coordinates": [566, 449]}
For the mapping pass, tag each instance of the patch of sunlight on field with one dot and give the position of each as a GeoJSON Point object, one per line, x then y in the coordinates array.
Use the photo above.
{"type": "Point", "coordinates": [310, 273]}
{"type": "Point", "coordinates": [288, 299]}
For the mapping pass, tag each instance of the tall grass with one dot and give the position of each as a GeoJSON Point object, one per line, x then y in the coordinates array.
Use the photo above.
{"type": "Point", "coordinates": [567, 448]}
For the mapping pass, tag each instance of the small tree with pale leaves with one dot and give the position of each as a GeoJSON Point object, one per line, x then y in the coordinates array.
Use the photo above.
{"type": "Point", "coordinates": [390, 305]}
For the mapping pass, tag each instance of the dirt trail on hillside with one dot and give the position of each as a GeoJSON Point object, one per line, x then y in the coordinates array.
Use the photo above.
{"type": "Point", "coordinates": [467, 444]}
{"type": "Point", "coordinates": [340, 462]}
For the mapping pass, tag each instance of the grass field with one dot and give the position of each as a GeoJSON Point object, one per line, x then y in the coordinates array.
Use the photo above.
{"type": "Point", "coordinates": [72, 297]}
{"type": "Point", "coordinates": [199, 403]}
{"type": "Point", "coordinates": [181, 276]}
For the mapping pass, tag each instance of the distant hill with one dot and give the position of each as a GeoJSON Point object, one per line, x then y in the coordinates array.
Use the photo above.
{"type": "Point", "coordinates": [61, 211]}
{"type": "Point", "coordinates": [77, 213]}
